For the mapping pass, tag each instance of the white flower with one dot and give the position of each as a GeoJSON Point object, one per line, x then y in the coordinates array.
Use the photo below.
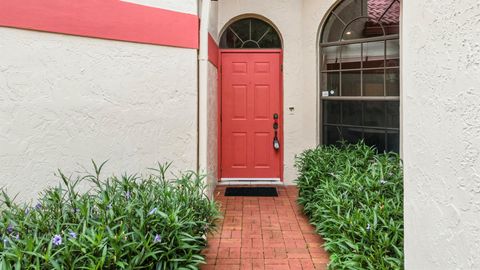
{"type": "Point", "coordinates": [152, 211]}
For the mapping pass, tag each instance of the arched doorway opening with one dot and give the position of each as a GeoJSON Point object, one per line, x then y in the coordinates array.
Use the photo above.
{"type": "Point", "coordinates": [250, 102]}
{"type": "Point", "coordinates": [360, 74]}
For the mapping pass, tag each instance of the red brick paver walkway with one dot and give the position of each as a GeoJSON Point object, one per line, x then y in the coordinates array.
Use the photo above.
{"type": "Point", "coordinates": [264, 233]}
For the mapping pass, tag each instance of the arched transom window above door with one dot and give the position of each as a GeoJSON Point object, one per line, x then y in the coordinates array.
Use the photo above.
{"type": "Point", "coordinates": [250, 33]}
{"type": "Point", "coordinates": [359, 73]}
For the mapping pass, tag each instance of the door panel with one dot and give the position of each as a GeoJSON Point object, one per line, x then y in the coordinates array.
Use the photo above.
{"type": "Point", "coordinates": [250, 98]}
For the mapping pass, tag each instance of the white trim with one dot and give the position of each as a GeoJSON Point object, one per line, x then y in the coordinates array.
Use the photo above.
{"type": "Point", "coordinates": [249, 181]}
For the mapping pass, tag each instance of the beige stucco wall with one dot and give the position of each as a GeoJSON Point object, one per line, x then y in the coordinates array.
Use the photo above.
{"type": "Point", "coordinates": [313, 13]}
{"type": "Point", "coordinates": [441, 133]}
{"type": "Point", "coordinates": [212, 114]}
{"type": "Point", "coordinates": [213, 20]}
{"type": "Point", "coordinates": [298, 23]}
{"type": "Point", "coordinates": [65, 100]}
{"type": "Point", "coordinates": [212, 108]}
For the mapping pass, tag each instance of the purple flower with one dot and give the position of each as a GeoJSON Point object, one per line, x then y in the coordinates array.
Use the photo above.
{"type": "Point", "coordinates": [128, 195]}
{"type": "Point", "coordinates": [72, 235]}
{"type": "Point", "coordinates": [157, 238]}
{"type": "Point", "coordinates": [57, 240]}
{"type": "Point", "coordinates": [152, 211]}
{"type": "Point", "coordinates": [38, 206]}
{"type": "Point", "coordinates": [10, 228]}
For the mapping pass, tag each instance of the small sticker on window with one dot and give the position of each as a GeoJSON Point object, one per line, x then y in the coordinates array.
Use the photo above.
{"type": "Point", "coordinates": [324, 93]}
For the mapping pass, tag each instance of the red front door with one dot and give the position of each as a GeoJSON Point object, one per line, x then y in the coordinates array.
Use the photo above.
{"type": "Point", "coordinates": [251, 96]}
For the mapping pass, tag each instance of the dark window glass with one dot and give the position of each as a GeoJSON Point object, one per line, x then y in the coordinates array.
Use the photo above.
{"type": "Point", "coordinates": [348, 10]}
{"type": "Point", "coordinates": [270, 40]}
{"type": "Point", "coordinates": [362, 28]}
{"type": "Point", "coordinates": [375, 137]}
{"type": "Point", "coordinates": [373, 54]}
{"type": "Point", "coordinates": [258, 29]}
{"type": "Point", "coordinates": [351, 112]}
{"type": "Point", "coordinates": [331, 58]}
{"type": "Point", "coordinates": [374, 114]}
{"type": "Point", "coordinates": [331, 83]}
{"type": "Point", "coordinates": [393, 53]}
{"type": "Point", "coordinates": [231, 40]}
{"type": "Point", "coordinates": [392, 81]}
{"type": "Point", "coordinates": [375, 122]}
{"type": "Point", "coordinates": [331, 134]}
{"type": "Point", "coordinates": [352, 134]}
{"type": "Point", "coordinates": [373, 82]}
{"type": "Point", "coordinates": [242, 29]}
{"type": "Point", "coordinates": [332, 112]}
{"type": "Point", "coordinates": [351, 56]}
{"type": "Point", "coordinates": [351, 83]}
{"type": "Point", "coordinates": [393, 114]}
{"type": "Point", "coordinates": [393, 141]}
{"type": "Point", "coordinates": [333, 29]}
{"type": "Point", "coordinates": [373, 29]}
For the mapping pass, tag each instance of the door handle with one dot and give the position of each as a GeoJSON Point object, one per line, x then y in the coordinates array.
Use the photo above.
{"type": "Point", "coordinates": [276, 143]}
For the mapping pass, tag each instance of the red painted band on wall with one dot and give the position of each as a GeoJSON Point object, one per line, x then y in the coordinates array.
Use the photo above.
{"type": "Point", "coordinates": [108, 19]}
{"type": "Point", "coordinates": [212, 51]}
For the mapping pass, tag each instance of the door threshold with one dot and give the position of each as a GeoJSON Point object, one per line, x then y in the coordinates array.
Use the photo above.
{"type": "Point", "coordinates": [249, 181]}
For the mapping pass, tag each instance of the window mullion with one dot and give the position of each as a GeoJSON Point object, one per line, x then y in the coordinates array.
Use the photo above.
{"type": "Point", "coordinates": [384, 68]}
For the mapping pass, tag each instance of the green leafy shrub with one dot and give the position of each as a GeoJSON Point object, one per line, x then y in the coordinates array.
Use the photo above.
{"type": "Point", "coordinates": [354, 197]}
{"type": "Point", "coordinates": [121, 223]}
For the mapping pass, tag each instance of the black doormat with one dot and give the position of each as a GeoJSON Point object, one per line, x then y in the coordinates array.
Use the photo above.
{"type": "Point", "coordinates": [251, 191]}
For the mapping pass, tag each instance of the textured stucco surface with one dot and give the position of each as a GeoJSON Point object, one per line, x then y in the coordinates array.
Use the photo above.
{"type": "Point", "coordinates": [212, 148]}
{"type": "Point", "coordinates": [441, 133]}
{"type": "Point", "coordinates": [213, 22]}
{"type": "Point", "coordinates": [65, 100]}
{"type": "Point", "coordinates": [185, 6]}
{"type": "Point", "coordinates": [212, 108]}
{"type": "Point", "coordinates": [298, 23]}
{"type": "Point", "coordinates": [313, 13]}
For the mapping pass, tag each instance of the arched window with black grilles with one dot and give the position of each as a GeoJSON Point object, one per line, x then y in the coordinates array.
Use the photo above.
{"type": "Point", "coordinates": [359, 74]}
{"type": "Point", "coordinates": [250, 33]}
